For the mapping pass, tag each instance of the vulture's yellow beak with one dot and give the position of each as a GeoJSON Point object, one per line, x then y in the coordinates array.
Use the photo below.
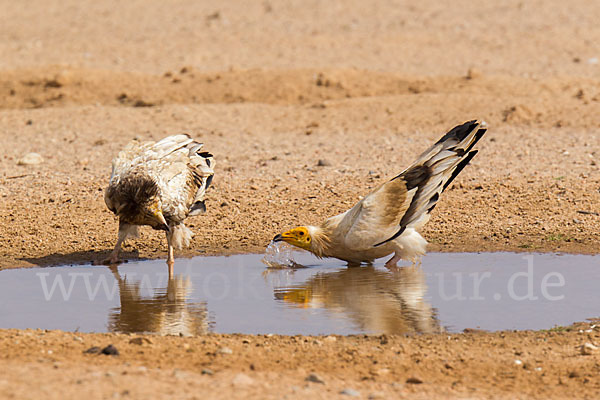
{"type": "Point", "coordinates": [298, 237]}
{"type": "Point", "coordinates": [159, 217]}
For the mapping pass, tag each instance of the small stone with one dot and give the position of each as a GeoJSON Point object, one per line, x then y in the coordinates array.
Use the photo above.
{"type": "Point", "coordinates": [207, 371]}
{"type": "Point", "coordinates": [376, 395]}
{"type": "Point", "coordinates": [593, 60]}
{"type": "Point", "coordinates": [573, 374]}
{"type": "Point", "coordinates": [518, 362]}
{"type": "Point", "coordinates": [473, 73]}
{"type": "Point", "coordinates": [588, 349]}
{"type": "Point", "coordinates": [93, 350]}
{"type": "Point", "coordinates": [323, 163]}
{"type": "Point", "coordinates": [225, 350]}
{"type": "Point", "coordinates": [315, 378]}
{"type": "Point", "coordinates": [140, 341]}
{"type": "Point", "coordinates": [242, 380]}
{"type": "Point", "coordinates": [31, 159]}
{"type": "Point", "coordinates": [414, 381]}
{"type": "Point", "coordinates": [576, 221]}
{"type": "Point", "coordinates": [330, 339]}
{"type": "Point", "coordinates": [110, 350]}
{"type": "Point", "coordinates": [350, 392]}
{"type": "Point", "coordinates": [179, 374]}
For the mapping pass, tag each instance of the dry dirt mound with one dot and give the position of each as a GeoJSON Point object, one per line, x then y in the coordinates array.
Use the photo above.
{"type": "Point", "coordinates": [550, 102]}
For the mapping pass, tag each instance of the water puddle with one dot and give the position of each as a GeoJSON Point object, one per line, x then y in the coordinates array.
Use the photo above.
{"type": "Point", "coordinates": [447, 293]}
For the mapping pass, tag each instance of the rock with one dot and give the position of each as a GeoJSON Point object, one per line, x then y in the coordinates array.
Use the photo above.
{"type": "Point", "coordinates": [376, 395]}
{"type": "Point", "coordinates": [330, 339]}
{"type": "Point", "coordinates": [350, 392]}
{"type": "Point", "coordinates": [242, 380]}
{"type": "Point", "coordinates": [140, 341]}
{"type": "Point", "coordinates": [588, 349]}
{"type": "Point", "coordinates": [225, 350]}
{"type": "Point", "coordinates": [473, 73]}
{"type": "Point", "coordinates": [314, 378]}
{"type": "Point", "coordinates": [31, 159]}
{"type": "Point", "coordinates": [518, 362]}
{"type": "Point", "coordinates": [110, 350]}
{"type": "Point", "coordinates": [207, 371]}
{"type": "Point", "coordinates": [93, 350]}
{"type": "Point", "coordinates": [179, 374]}
{"type": "Point", "coordinates": [413, 380]}
{"type": "Point", "coordinates": [323, 163]}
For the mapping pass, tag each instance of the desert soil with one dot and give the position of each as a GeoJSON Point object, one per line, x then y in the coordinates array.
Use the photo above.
{"type": "Point", "coordinates": [306, 106]}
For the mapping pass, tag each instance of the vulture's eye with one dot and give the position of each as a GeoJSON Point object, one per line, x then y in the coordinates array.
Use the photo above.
{"type": "Point", "coordinates": [301, 233]}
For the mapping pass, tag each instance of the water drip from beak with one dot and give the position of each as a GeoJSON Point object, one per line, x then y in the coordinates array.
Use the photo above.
{"type": "Point", "coordinates": [279, 255]}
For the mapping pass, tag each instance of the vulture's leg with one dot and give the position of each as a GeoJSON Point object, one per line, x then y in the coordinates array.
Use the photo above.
{"type": "Point", "coordinates": [170, 256]}
{"type": "Point", "coordinates": [114, 255]}
{"type": "Point", "coordinates": [393, 262]}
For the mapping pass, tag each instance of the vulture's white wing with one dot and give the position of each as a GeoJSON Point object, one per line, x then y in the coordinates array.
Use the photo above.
{"type": "Point", "coordinates": [407, 199]}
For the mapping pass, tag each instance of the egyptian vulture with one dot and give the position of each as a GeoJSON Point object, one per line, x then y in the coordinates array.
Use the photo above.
{"type": "Point", "coordinates": [389, 218]}
{"type": "Point", "coordinates": [159, 184]}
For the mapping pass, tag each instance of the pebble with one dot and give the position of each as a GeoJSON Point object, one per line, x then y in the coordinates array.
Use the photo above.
{"type": "Point", "coordinates": [376, 395]}
{"type": "Point", "coordinates": [242, 380]}
{"type": "Point", "coordinates": [350, 392]}
{"type": "Point", "coordinates": [518, 362]}
{"type": "Point", "coordinates": [323, 163]}
{"type": "Point", "coordinates": [315, 378]}
{"type": "Point", "coordinates": [110, 350]}
{"type": "Point", "coordinates": [207, 371]}
{"type": "Point", "coordinates": [330, 339]}
{"type": "Point", "coordinates": [588, 349]}
{"type": "Point", "coordinates": [93, 350]}
{"type": "Point", "coordinates": [414, 381]}
{"type": "Point", "coordinates": [473, 73]}
{"type": "Point", "coordinates": [140, 341]}
{"type": "Point", "coordinates": [225, 350]}
{"type": "Point", "coordinates": [179, 374]}
{"type": "Point", "coordinates": [31, 159]}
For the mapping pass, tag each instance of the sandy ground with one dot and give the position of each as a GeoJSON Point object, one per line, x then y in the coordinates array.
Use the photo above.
{"type": "Point", "coordinates": [272, 88]}
{"type": "Point", "coordinates": [505, 365]}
